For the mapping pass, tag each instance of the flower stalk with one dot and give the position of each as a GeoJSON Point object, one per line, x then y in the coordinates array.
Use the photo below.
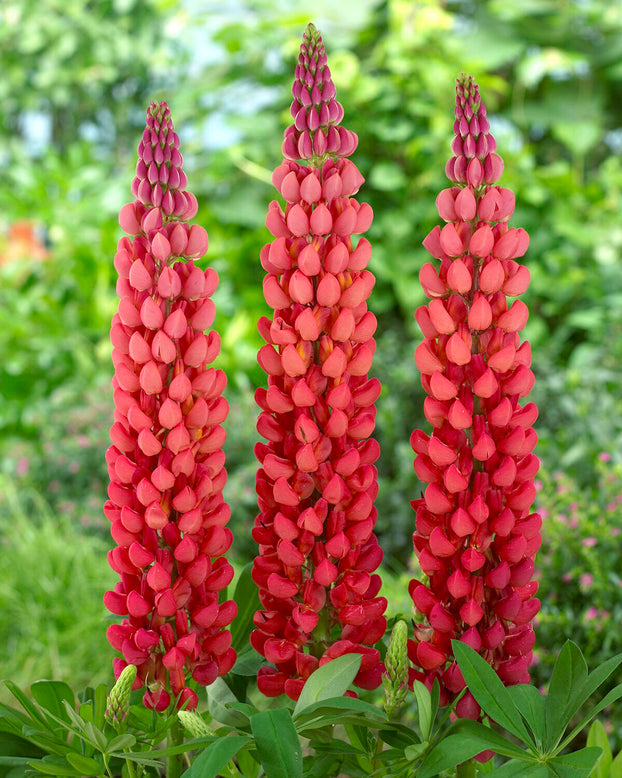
{"type": "Point", "coordinates": [166, 464]}
{"type": "Point", "coordinates": [317, 480]}
{"type": "Point", "coordinates": [475, 536]}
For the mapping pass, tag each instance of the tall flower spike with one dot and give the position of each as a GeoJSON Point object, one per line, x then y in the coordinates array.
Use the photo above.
{"type": "Point", "coordinates": [317, 480]}
{"type": "Point", "coordinates": [475, 536]}
{"type": "Point", "coordinates": [166, 463]}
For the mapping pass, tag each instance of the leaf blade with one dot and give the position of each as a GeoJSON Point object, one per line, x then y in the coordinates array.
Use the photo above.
{"type": "Point", "coordinates": [213, 758]}
{"type": "Point", "coordinates": [330, 680]}
{"type": "Point", "coordinates": [489, 691]}
{"type": "Point", "coordinates": [277, 743]}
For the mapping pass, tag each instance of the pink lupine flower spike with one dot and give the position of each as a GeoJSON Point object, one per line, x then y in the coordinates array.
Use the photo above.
{"type": "Point", "coordinates": [166, 463]}
{"type": "Point", "coordinates": [475, 536]}
{"type": "Point", "coordinates": [317, 481]}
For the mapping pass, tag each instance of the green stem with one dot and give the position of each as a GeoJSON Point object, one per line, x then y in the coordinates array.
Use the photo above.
{"type": "Point", "coordinates": [376, 763]}
{"type": "Point", "coordinates": [107, 766]}
{"type": "Point", "coordinates": [466, 769]}
{"type": "Point", "coordinates": [174, 764]}
{"type": "Point", "coordinates": [130, 768]}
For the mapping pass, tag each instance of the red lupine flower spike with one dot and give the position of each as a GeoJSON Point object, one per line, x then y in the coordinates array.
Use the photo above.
{"type": "Point", "coordinates": [166, 463]}
{"type": "Point", "coordinates": [475, 536]}
{"type": "Point", "coordinates": [317, 481]}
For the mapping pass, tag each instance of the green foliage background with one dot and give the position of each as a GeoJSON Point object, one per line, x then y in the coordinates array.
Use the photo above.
{"type": "Point", "coordinates": [551, 75]}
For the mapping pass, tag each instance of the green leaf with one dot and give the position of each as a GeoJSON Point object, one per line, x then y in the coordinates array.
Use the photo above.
{"type": "Point", "coordinates": [424, 709]}
{"type": "Point", "coordinates": [531, 704]}
{"type": "Point", "coordinates": [212, 759]}
{"type": "Point", "coordinates": [120, 742]}
{"type": "Point", "coordinates": [336, 709]}
{"type": "Point", "coordinates": [51, 695]}
{"type": "Point", "coordinates": [34, 713]}
{"type": "Point", "coordinates": [451, 751]}
{"type": "Point", "coordinates": [100, 699]}
{"type": "Point", "coordinates": [594, 680]}
{"type": "Point", "coordinates": [47, 741]}
{"type": "Point", "coordinates": [73, 717]}
{"type": "Point", "coordinates": [598, 737]}
{"type": "Point", "coordinates": [615, 770]}
{"type": "Point", "coordinates": [608, 699]}
{"type": "Point", "coordinates": [399, 736]}
{"type": "Point", "coordinates": [219, 697]}
{"type": "Point", "coordinates": [187, 745]}
{"type": "Point", "coordinates": [568, 678]}
{"type": "Point", "coordinates": [53, 765]}
{"type": "Point", "coordinates": [330, 680]}
{"type": "Point", "coordinates": [414, 751]}
{"type": "Point", "coordinates": [277, 743]}
{"type": "Point", "coordinates": [86, 765]}
{"type": "Point", "coordinates": [320, 767]}
{"type": "Point", "coordinates": [576, 765]}
{"type": "Point", "coordinates": [15, 760]}
{"type": "Point", "coordinates": [248, 662]}
{"type": "Point", "coordinates": [489, 738]}
{"type": "Point", "coordinates": [247, 599]}
{"type": "Point", "coordinates": [249, 767]}
{"type": "Point", "coordinates": [518, 769]}
{"type": "Point", "coordinates": [96, 736]}
{"type": "Point", "coordinates": [489, 691]}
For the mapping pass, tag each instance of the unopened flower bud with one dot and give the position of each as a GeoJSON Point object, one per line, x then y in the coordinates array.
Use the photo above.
{"type": "Point", "coordinates": [118, 703]}
{"type": "Point", "coordinates": [194, 724]}
{"type": "Point", "coordinates": [395, 679]}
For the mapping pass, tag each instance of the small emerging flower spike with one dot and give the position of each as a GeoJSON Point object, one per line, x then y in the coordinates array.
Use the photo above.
{"type": "Point", "coordinates": [166, 464]}
{"type": "Point", "coordinates": [475, 536]}
{"type": "Point", "coordinates": [317, 481]}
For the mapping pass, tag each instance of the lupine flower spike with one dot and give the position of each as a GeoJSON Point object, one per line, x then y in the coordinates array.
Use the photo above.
{"type": "Point", "coordinates": [166, 462]}
{"type": "Point", "coordinates": [475, 536]}
{"type": "Point", "coordinates": [317, 481]}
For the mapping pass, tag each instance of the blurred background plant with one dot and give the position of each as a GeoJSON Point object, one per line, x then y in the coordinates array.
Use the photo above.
{"type": "Point", "coordinates": [76, 79]}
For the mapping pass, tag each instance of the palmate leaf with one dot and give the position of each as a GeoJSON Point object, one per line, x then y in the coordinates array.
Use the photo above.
{"type": "Point", "coordinates": [489, 691]}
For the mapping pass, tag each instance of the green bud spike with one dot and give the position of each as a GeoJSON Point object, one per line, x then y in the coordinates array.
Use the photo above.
{"type": "Point", "coordinates": [395, 679]}
{"type": "Point", "coordinates": [118, 703]}
{"type": "Point", "coordinates": [194, 725]}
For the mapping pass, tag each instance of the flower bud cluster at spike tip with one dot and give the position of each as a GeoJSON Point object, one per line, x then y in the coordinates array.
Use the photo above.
{"type": "Point", "coordinates": [317, 480]}
{"type": "Point", "coordinates": [475, 536]}
{"type": "Point", "coordinates": [166, 464]}
{"type": "Point", "coordinates": [315, 133]}
{"type": "Point", "coordinates": [475, 160]}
